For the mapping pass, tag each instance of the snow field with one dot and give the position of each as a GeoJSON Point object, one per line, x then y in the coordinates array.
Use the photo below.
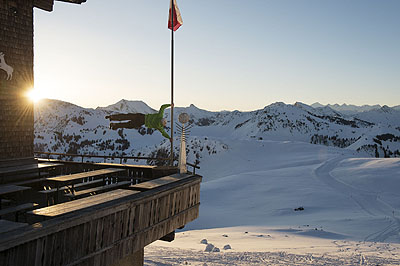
{"type": "Point", "coordinates": [248, 196]}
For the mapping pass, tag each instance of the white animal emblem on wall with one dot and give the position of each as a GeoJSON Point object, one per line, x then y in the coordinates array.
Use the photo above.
{"type": "Point", "coordinates": [5, 67]}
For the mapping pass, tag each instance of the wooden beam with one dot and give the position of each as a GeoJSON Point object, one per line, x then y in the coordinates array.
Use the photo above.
{"type": "Point", "coordinates": [169, 237]}
{"type": "Point", "coordinates": [44, 4]}
{"type": "Point", "coordinates": [48, 4]}
{"type": "Point", "coordinates": [73, 1]}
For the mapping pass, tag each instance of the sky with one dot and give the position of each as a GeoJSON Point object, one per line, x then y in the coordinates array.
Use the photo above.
{"type": "Point", "coordinates": [229, 54]}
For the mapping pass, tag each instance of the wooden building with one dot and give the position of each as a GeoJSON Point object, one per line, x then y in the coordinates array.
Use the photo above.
{"type": "Point", "coordinates": [16, 78]}
{"type": "Point", "coordinates": [93, 214]}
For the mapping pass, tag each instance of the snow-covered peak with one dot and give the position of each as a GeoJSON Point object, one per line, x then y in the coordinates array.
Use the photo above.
{"type": "Point", "coordinates": [317, 104]}
{"type": "Point", "coordinates": [52, 103]}
{"type": "Point", "coordinates": [125, 106]}
{"type": "Point", "coordinates": [193, 111]}
{"type": "Point", "coordinates": [385, 109]}
{"type": "Point", "coordinates": [277, 105]}
{"type": "Point", "coordinates": [50, 108]}
{"type": "Point", "coordinates": [326, 110]}
{"type": "Point", "coordinates": [384, 116]}
{"type": "Point", "coordinates": [348, 109]}
{"type": "Point", "coordinates": [322, 110]}
{"type": "Point", "coordinates": [303, 106]}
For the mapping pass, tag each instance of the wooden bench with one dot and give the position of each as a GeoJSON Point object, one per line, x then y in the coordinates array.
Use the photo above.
{"type": "Point", "coordinates": [79, 204]}
{"type": "Point", "coordinates": [17, 209]}
{"type": "Point", "coordinates": [50, 192]}
{"type": "Point", "coordinates": [76, 186]}
{"type": "Point", "coordinates": [97, 190]}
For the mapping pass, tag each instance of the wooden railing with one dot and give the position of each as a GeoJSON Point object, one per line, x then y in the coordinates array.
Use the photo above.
{"type": "Point", "coordinates": [47, 155]}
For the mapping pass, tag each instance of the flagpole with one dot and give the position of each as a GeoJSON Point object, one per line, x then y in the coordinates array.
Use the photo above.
{"type": "Point", "coordinates": [172, 83]}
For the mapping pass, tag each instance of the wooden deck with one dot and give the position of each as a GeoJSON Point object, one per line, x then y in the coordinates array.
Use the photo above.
{"type": "Point", "coordinates": [112, 227]}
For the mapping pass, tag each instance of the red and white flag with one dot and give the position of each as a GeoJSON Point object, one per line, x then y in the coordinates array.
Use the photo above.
{"type": "Point", "coordinates": [177, 17]}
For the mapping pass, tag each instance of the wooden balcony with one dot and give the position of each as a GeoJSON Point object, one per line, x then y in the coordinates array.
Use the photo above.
{"type": "Point", "coordinates": [107, 228]}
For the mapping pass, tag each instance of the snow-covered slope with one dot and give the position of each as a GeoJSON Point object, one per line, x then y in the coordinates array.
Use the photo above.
{"type": "Point", "coordinates": [64, 127]}
{"type": "Point", "coordinates": [383, 116]}
{"type": "Point", "coordinates": [276, 202]}
{"type": "Point", "coordinates": [125, 106]}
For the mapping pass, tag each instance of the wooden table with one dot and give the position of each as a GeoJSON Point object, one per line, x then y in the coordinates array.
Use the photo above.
{"type": "Point", "coordinates": [70, 180]}
{"type": "Point", "coordinates": [29, 167]}
{"type": "Point", "coordinates": [6, 226]}
{"type": "Point", "coordinates": [10, 189]}
{"type": "Point", "coordinates": [158, 182]}
{"type": "Point", "coordinates": [79, 204]}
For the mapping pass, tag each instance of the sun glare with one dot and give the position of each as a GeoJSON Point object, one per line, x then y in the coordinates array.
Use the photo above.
{"type": "Point", "coordinates": [35, 95]}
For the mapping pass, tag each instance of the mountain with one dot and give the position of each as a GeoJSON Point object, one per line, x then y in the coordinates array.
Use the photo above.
{"type": "Point", "coordinates": [348, 108]}
{"type": "Point", "coordinates": [384, 116]}
{"type": "Point", "coordinates": [67, 128]}
{"type": "Point", "coordinates": [125, 106]}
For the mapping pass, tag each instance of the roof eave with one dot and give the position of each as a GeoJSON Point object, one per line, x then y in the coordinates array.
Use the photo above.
{"type": "Point", "coordinates": [48, 4]}
{"type": "Point", "coordinates": [73, 1]}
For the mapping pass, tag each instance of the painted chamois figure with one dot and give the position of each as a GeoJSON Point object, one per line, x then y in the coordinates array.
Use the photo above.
{"type": "Point", "coordinates": [5, 67]}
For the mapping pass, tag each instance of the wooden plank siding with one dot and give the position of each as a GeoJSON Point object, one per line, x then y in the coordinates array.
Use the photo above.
{"type": "Point", "coordinates": [107, 232]}
{"type": "Point", "coordinates": [16, 111]}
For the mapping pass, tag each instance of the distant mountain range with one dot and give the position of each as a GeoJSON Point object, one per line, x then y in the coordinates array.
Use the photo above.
{"type": "Point", "coordinates": [353, 109]}
{"type": "Point", "coordinates": [369, 130]}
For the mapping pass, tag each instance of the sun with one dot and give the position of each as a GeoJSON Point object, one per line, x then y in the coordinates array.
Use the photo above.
{"type": "Point", "coordinates": [35, 95]}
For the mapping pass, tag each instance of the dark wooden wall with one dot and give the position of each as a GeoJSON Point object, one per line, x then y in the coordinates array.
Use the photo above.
{"type": "Point", "coordinates": [16, 111]}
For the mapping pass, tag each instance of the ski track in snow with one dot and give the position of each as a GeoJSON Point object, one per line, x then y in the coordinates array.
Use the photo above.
{"type": "Point", "coordinates": [368, 201]}
{"type": "Point", "coordinates": [171, 256]}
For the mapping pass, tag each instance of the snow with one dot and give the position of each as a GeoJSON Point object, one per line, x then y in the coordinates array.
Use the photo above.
{"type": "Point", "coordinates": [125, 106]}
{"type": "Point", "coordinates": [267, 246]}
{"type": "Point", "coordinates": [249, 192]}
{"type": "Point", "coordinates": [349, 109]}
{"type": "Point", "coordinates": [64, 127]}
{"type": "Point", "coordinates": [257, 168]}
